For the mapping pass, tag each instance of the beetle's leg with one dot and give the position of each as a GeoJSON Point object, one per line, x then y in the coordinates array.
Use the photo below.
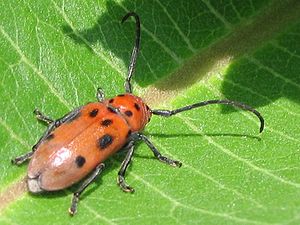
{"type": "Point", "coordinates": [100, 95]}
{"type": "Point", "coordinates": [73, 115]}
{"type": "Point", "coordinates": [40, 116]}
{"type": "Point", "coordinates": [157, 154]}
{"type": "Point", "coordinates": [121, 174]}
{"type": "Point", "coordinates": [66, 118]}
{"type": "Point", "coordinates": [21, 159]}
{"type": "Point", "coordinates": [83, 186]}
{"type": "Point", "coordinates": [52, 126]}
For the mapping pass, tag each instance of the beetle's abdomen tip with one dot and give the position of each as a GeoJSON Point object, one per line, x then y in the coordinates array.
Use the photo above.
{"type": "Point", "coordinates": [33, 185]}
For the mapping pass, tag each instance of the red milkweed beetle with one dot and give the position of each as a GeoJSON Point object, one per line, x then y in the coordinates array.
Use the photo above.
{"type": "Point", "coordinates": [75, 146]}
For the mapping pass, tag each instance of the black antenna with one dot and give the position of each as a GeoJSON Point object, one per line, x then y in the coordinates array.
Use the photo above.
{"type": "Point", "coordinates": [168, 113]}
{"type": "Point", "coordinates": [135, 50]}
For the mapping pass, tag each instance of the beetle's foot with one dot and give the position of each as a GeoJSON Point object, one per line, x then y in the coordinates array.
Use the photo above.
{"type": "Point", "coordinates": [168, 161]}
{"type": "Point", "coordinates": [21, 159]}
{"type": "Point", "coordinates": [73, 208]}
{"type": "Point", "coordinates": [125, 187]}
{"type": "Point", "coordinates": [17, 161]}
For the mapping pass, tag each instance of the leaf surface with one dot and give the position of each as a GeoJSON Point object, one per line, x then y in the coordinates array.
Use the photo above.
{"type": "Point", "coordinates": [54, 55]}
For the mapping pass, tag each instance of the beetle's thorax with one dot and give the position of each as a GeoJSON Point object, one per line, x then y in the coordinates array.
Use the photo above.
{"type": "Point", "coordinates": [133, 109]}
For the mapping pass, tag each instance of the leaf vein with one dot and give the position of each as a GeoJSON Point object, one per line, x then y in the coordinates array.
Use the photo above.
{"type": "Point", "coordinates": [238, 158]}
{"type": "Point", "coordinates": [216, 182]}
{"type": "Point", "coordinates": [35, 69]}
{"type": "Point", "coordinates": [201, 210]}
{"type": "Point", "coordinates": [259, 64]}
{"type": "Point", "coordinates": [105, 59]}
{"type": "Point", "coordinates": [183, 36]}
{"type": "Point", "coordinates": [175, 57]}
{"type": "Point", "coordinates": [217, 15]}
{"type": "Point", "coordinates": [256, 93]}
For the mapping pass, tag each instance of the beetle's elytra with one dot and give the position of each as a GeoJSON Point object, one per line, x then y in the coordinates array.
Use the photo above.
{"type": "Point", "coordinates": [75, 146]}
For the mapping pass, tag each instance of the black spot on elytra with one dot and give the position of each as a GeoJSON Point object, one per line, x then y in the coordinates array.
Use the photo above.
{"type": "Point", "coordinates": [136, 106]}
{"type": "Point", "coordinates": [111, 100]}
{"type": "Point", "coordinates": [105, 141]}
{"type": "Point", "coordinates": [50, 137]}
{"type": "Point", "coordinates": [73, 116]}
{"type": "Point", "coordinates": [106, 122]}
{"type": "Point", "coordinates": [128, 113]}
{"type": "Point", "coordinates": [93, 113]}
{"type": "Point", "coordinates": [121, 95]}
{"type": "Point", "coordinates": [129, 133]}
{"type": "Point", "coordinates": [80, 161]}
{"type": "Point", "coordinates": [112, 110]}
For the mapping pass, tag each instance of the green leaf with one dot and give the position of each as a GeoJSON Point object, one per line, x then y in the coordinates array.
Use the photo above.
{"type": "Point", "coordinates": [54, 54]}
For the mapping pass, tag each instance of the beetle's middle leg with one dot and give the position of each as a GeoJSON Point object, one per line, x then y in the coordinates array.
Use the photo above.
{"type": "Point", "coordinates": [42, 117]}
{"type": "Point", "coordinates": [100, 95]}
{"type": "Point", "coordinates": [121, 174]}
{"type": "Point", "coordinates": [157, 154]}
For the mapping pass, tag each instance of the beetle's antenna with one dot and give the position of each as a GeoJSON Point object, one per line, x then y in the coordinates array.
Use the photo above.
{"type": "Point", "coordinates": [168, 113]}
{"type": "Point", "coordinates": [135, 50]}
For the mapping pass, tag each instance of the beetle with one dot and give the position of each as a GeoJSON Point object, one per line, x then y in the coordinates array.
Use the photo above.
{"type": "Point", "coordinates": [75, 146]}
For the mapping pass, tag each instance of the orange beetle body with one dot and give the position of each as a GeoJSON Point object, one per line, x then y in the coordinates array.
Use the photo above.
{"type": "Point", "coordinates": [91, 135]}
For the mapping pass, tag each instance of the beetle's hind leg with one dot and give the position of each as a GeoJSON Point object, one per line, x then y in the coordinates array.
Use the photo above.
{"type": "Point", "coordinates": [121, 174]}
{"type": "Point", "coordinates": [21, 159]}
{"type": "Point", "coordinates": [52, 125]}
{"type": "Point", "coordinates": [97, 171]}
{"type": "Point", "coordinates": [40, 116]}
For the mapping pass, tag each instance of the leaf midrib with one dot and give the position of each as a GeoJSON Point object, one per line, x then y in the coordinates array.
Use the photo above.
{"type": "Point", "coordinates": [243, 40]}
